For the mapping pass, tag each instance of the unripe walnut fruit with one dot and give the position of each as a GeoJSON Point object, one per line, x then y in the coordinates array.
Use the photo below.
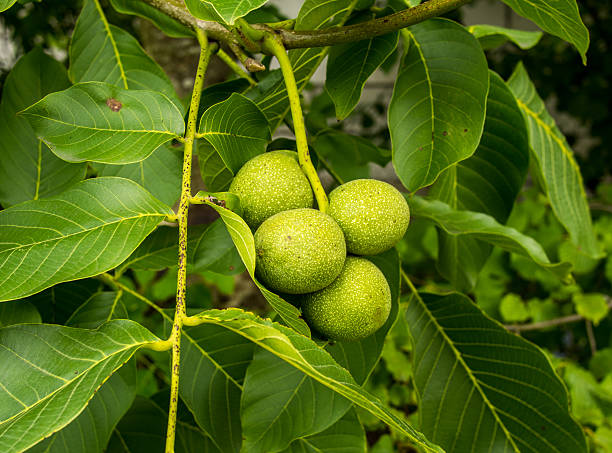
{"type": "Point", "coordinates": [374, 215]}
{"type": "Point", "coordinates": [354, 306]}
{"type": "Point", "coordinates": [271, 183]}
{"type": "Point", "coordinates": [299, 251]}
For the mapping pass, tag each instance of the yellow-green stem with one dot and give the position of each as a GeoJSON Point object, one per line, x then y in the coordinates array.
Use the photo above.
{"type": "Point", "coordinates": [182, 214]}
{"type": "Point", "coordinates": [234, 67]}
{"type": "Point", "coordinates": [273, 45]}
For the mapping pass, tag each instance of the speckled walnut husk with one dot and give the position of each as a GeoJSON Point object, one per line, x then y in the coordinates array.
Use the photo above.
{"type": "Point", "coordinates": [354, 306]}
{"type": "Point", "coordinates": [299, 251]}
{"type": "Point", "coordinates": [374, 215]}
{"type": "Point", "coordinates": [271, 183]}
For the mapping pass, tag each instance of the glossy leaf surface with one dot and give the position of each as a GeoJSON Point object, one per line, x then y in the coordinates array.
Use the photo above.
{"type": "Point", "coordinates": [297, 406]}
{"type": "Point", "coordinates": [557, 167]}
{"type": "Point", "coordinates": [437, 110]}
{"type": "Point", "coordinates": [558, 17]}
{"type": "Point", "coordinates": [488, 182]}
{"type": "Point", "coordinates": [485, 228]}
{"type": "Point", "coordinates": [303, 354]}
{"type": "Point", "coordinates": [237, 129]}
{"type": "Point", "coordinates": [45, 242]}
{"type": "Point", "coordinates": [64, 366]}
{"type": "Point", "coordinates": [483, 388]}
{"type": "Point", "coordinates": [491, 36]}
{"type": "Point", "coordinates": [29, 169]}
{"type": "Point", "coordinates": [102, 123]}
{"type": "Point", "coordinates": [350, 65]}
{"type": "Point", "coordinates": [100, 52]}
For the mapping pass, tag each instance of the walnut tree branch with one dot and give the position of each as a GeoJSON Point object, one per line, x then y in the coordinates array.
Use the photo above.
{"type": "Point", "coordinates": [294, 39]}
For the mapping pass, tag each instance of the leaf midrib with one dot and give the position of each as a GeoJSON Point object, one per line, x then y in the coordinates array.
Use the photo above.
{"type": "Point", "coordinates": [459, 359]}
{"type": "Point", "coordinates": [71, 381]}
{"type": "Point", "coordinates": [34, 244]}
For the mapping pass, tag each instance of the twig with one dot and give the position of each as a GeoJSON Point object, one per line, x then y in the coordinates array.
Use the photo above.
{"type": "Point", "coordinates": [294, 39]}
{"type": "Point", "coordinates": [549, 323]}
{"type": "Point", "coordinates": [591, 336]}
{"type": "Point", "coordinates": [274, 46]}
{"type": "Point", "coordinates": [234, 67]}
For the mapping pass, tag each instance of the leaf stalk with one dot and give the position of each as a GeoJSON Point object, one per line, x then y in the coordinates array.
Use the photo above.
{"type": "Point", "coordinates": [273, 44]}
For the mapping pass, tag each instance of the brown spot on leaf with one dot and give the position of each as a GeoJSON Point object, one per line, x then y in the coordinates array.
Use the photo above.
{"type": "Point", "coordinates": [464, 130]}
{"type": "Point", "coordinates": [445, 133]}
{"type": "Point", "coordinates": [114, 104]}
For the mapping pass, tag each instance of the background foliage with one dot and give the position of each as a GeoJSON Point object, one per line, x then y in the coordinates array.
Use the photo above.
{"type": "Point", "coordinates": [566, 318]}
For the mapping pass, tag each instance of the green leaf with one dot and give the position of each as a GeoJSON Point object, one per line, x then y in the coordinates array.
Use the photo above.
{"type": "Point", "coordinates": [496, 390]}
{"type": "Point", "coordinates": [488, 182]}
{"type": "Point", "coordinates": [281, 404]}
{"type": "Point", "coordinates": [237, 129]}
{"type": "Point", "coordinates": [360, 357]}
{"type": "Point", "coordinates": [98, 309]}
{"type": "Point", "coordinates": [437, 110]}
{"type": "Point", "coordinates": [45, 242]}
{"type": "Point", "coordinates": [92, 429]}
{"type": "Point", "coordinates": [29, 169]}
{"type": "Point", "coordinates": [102, 123]}
{"type": "Point", "coordinates": [219, 92]}
{"type": "Point", "coordinates": [100, 52]}
{"type": "Point", "coordinates": [593, 307]}
{"type": "Point", "coordinates": [6, 4]}
{"type": "Point", "coordinates": [557, 169]}
{"type": "Point", "coordinates": [558, 17]}
{"type": "Point", "coordinates": [213, 365]}
{"type": "Point", "coordinates": [65, 366]}
{"type": "Point", "coordinates": [165, 23]}
{"type": "Point", "coordinates": [513, 309]}
{"type": "Point", "coordinates": [209, 248]}
{"type": "Point", "coordinates": [350, 65]}
{"type": "Point", "coordinates": [485, 228]}
{"type": "Point", "coordinates": [160, 173]}
{"type": "Point", "coordinates": [304, 354]}
{"type": "Point", "coordinates": [18, 312]}
{"type": "Point", "coordinates": [143, 429]}
{"type": "Point", "coordinates": [215, 174]}
{"type": "Point", "coordinates": [56, 304]}
{"type": "Point", "coordinates": [226, 11]}
{"type": "Point", "coordinates": [270, 94]}
{"type": "Point", "coordinates": [215, 251]}
{"type": "Point", "coordinates": [491, 36]}
{"type": "Point", "coordinates": [345, 436]}
{"type": "Point", "coordinates": [245, 243]}
{"type": "Point", "coordinates": [357, 153]}
{"type": "Point", "coordinates": [160, 249]}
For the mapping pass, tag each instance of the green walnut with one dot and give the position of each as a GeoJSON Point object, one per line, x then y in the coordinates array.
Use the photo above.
{"type": "Point", "coordinates": [270, 183]}
{"type": "Point", "coordinates": [354, 306]}
{"type": "Point", "coordinates": [373, 215]}
{"type": "Point", "coordinates": [299, 251]}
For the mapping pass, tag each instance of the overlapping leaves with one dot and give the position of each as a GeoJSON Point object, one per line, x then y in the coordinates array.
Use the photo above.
{"type": "Point", "coordinates": [243, 239]}
{"type": "Point", "coordinates": [45, 242]}
{"type": "Point", "coordinates": [102, 123]}
{"type": "Point", "coordinates": [437, 111]}
{"type": "Point", "coordinates": [64, 367]}
{"type": "Point", "coordinates": [485, 228]}
{"type": "Point", "coordinates": [488, 182]}
{"type": "Point", "coordinates": [558, 17]}
{"type": "Point", "coordinates": [556, 165]}
{"type": "Point", "coordinates": [29, 169]}
{"type": "Point", "coordinates": [313, 361]}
